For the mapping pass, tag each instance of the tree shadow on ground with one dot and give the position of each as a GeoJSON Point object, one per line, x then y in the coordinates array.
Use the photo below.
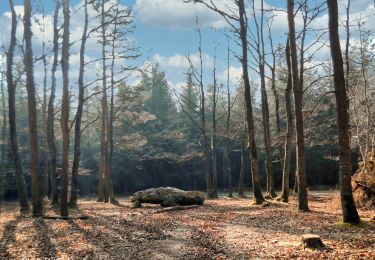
{"type": "Point", "coordinates": [104, 244]}
{"type": "Point", "coordinates": [45, 247]}
{"type": "Point", "coordinates": [290, 222]}
{"type": "Point", "coordinates": [132, 239]}
{"type": "Point", "coordinates": [9, 237]}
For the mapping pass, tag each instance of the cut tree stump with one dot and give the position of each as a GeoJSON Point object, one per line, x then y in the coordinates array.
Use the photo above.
{"type": "Point", "coordinates": [312, 241]}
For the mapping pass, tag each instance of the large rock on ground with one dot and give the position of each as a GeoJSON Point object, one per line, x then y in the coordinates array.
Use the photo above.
{"type": "Point", "coordinates": [167, 197]}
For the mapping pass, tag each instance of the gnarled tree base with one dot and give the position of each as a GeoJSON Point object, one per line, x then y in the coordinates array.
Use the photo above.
{"type": "Point", "coordinates": [363, 183]}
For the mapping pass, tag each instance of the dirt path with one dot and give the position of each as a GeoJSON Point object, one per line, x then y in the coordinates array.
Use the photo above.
{"type": "Point", "coordinates": [222, 229]}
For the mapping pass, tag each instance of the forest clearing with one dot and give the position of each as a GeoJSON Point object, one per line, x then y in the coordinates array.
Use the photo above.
{"type": "Point", "coordinates": [133, 129]}
{"type": "Point", "coordinates": [227, 228]}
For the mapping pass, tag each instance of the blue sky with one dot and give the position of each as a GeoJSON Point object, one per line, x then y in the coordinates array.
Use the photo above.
{"type": "Point", "coordinates": [165, 32]}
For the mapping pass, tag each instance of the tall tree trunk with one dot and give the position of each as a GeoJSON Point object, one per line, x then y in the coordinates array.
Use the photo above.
{"type": "Point", "coordinates": [284, 196]}
{"type": "Point", "coordinates": [213, 135]}
{"type": "Point", "coordinates": [241, 186]}
{"type": "Point", "coordinates": [44, 188]}
{"type": "Point", "coordinates": [206, 163]}
{"type": "Point", "coordinates": [347, 44]}
{"type": "Point", "coordinates": [103, 165]}
{"type": "Point", "coordinates": [258, 196]}
{"type": "Point", "coordinates": [51, 110]}
{"type": "Point", "coordinates": [265, 109]}
{"type": "Point", "coordinates": [350, 214]}
{"type": "Point", "coordinates": [65, 112]}
{"type": "Point", "coordinates": [3, 141]}
{"type": "Point", "coordinates": [78, 117]}
{"type": "Point", "coordinates": [227, 156]}
{"type": "Point", "coordinates": [276, 97]}
{"type": "Point", "coordinates": [111, 119]}
{"type": "Point", "coordinates": [204, 143]}
{"type": "Point", "coordinates": [33, 127]}
{"type": "Point", "coordinates": [20, 181]}
{"type": "Point", "coordinates": [298, 93]}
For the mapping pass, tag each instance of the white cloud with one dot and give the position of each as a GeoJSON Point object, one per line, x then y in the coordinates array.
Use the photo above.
{"type": "Point", "coordinates": [235, 75]}
{"type": "Point", "coordinates": [179, 61]}
{"type": "Point", "coordinates": [176, 67]}
{"type": "Point", "coordinates": [177, 87]}
{"type": "Point", "coordinates": [176, 14]}
{"type": "Point", "coordinates": [93, 50]}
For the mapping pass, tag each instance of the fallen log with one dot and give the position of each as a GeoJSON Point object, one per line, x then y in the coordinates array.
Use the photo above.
{"type": "Point", "coordinates": [167, 197]}
{"type": "Point", "coordinates": [65, 218]}
{"type": "Point", "coordinates": [175, 208]}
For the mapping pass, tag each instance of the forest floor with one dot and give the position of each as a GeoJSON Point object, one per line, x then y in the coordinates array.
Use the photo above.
{"type": "Point", "coordinates": [221, 229]}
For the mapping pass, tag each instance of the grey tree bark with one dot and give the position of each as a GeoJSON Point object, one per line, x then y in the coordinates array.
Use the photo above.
{"type": "Point", "coordinates": [241, 32]}
{"type": "Point", "coordinates": [198, 75]}
{"type": "Point", "coordinates": [213, 134]}
{"type": "Point", "coordinates": [103, 164]}
{"type": "Point", "coordinates": [51, 109]}
{"type": "Point", "coordinates": [298, 107]}
{"type": "Point", "coordinates": [284, 196]}
{"type": "Point", "coordinates": [349, 211]}
{"type": "Point", "coordinates": [259, 42]}
{"type": "Point", "coordinates": [16, 156]}
{"type": "Point", "coordinates": [227, 154]}
{"type": "Point", "coordinates": [3, 141]}
{"type": "Point", "coordinates": [44, 182]}
{"type": "Point", "coordinates": [65, 112]}
{"type": "Point", "coordinates": [78, 117]}
{"type": "Point", "coordinates": [258, 196]}
{"type": "Point", "coordinates": [109, 181]}
{"type": "Point", "coordinates": [276, 97]}
{"type": "Point", "coordinates": [33, 127]}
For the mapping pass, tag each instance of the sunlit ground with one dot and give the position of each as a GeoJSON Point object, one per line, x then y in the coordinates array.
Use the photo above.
{"type": "Point", "coordinates": [221, 229]}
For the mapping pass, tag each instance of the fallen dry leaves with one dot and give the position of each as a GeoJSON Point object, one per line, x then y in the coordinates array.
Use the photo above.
{"type": "Point", "coordinates": [221, 229]}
